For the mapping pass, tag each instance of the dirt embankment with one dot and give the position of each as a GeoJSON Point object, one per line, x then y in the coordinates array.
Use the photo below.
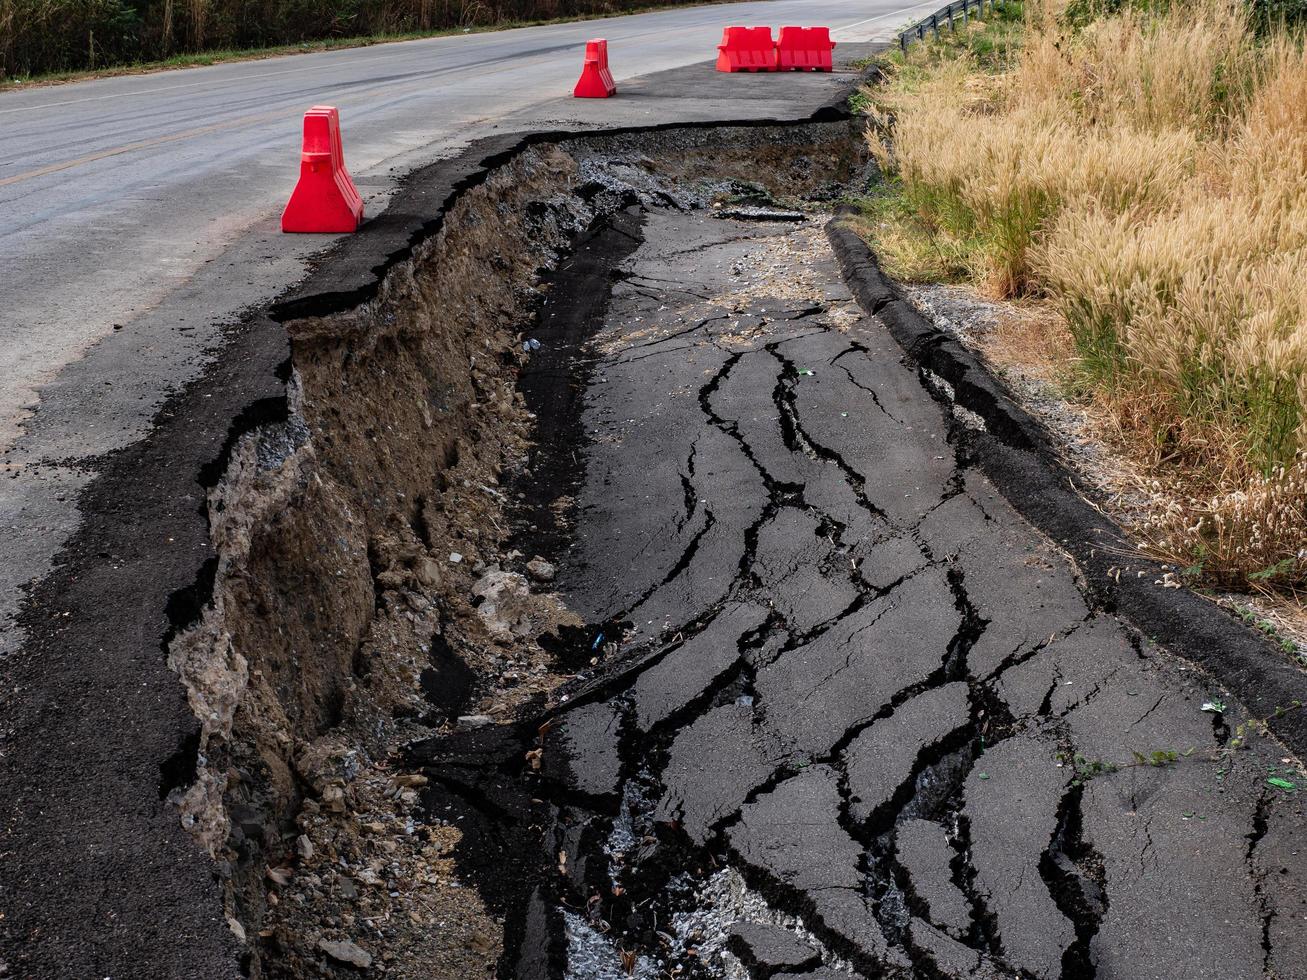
{"type": "Point", "coordinates": [375, 581]}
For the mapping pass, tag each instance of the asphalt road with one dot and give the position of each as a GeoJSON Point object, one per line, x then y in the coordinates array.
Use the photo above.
{"type": "Point", "coordinates": [138, 214]}
{"type": "Point", "coordinates": [878, 679]}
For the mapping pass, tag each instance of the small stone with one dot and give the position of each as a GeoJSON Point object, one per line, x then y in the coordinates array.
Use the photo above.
{"type": "Point", "coordinates": [236, 928]}
{"type": "Point", "coordinates": [474, 721]}
{"type": "Point", "coordinates": [333, 798]}
{"type": "Point", "coordinates": [455, 558]}
{"type": "Point", "coordinates": [346, 952]}
{"type": "Point", "coordinates": [427, 572]}
{"type": "Point", "coordinates": [541, 570]}
{"type": "Point", "coordinates": [305, 847]}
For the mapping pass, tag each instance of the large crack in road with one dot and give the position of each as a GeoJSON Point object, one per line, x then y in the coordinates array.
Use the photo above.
{"type": "Point", "coordinates": [862, 719]}
{"type": "Point", "coordinates": [797, 691]}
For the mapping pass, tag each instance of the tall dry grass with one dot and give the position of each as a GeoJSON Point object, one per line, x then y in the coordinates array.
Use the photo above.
{"type": "Point", "coordinates": [1146, 172]}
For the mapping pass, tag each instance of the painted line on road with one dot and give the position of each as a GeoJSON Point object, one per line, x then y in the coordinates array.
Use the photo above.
{"type": "Point", "coordinates": [903, 12]}
{"type": "Point", "coordinates": [141, 145]}
{"type": "Point", "coordinates": [505, 64]}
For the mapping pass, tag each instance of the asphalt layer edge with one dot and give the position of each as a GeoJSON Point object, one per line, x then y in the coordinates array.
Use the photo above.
{"type": "Point", "coordinates": [1017, 454]}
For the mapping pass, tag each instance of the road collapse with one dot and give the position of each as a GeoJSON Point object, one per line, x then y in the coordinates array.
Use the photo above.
{"type": "Point", "coordinates": [385, 552]}
{"type": "Point", "coordinates": [604, 572]}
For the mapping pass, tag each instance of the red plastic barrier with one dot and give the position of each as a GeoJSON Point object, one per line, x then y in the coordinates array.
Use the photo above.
{"type": "Point", "coordinates": [325, 200]}
{"type": "Point", "coordinates": [746, 49]}
{"type": "Point", "coordinates": [805, 49]}
{"type": "Point", "coordinates": [596, 81]}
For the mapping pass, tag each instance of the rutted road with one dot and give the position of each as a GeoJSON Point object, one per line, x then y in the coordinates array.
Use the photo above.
{"type": "Point", "coordinates": [864, 726]}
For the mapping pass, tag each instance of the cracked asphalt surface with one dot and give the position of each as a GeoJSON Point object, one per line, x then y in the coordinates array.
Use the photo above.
{"type": "Point", "coordinates": [864, 709]}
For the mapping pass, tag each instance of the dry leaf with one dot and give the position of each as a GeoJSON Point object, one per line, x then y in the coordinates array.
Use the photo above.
{"type": "Point", "coordinates": [628, 961]}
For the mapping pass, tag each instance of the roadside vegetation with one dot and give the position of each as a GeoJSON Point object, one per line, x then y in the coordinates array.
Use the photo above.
{"type": "Point", "coordinates": [47, 40]}
{"type": "Point", "coordinates": [1141, 171]}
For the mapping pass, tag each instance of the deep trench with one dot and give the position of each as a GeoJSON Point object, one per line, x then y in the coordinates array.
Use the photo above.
{"type": "Point", "coordinates": [465, 374]}
{"type": "Point", "coordinates": [537, 814]}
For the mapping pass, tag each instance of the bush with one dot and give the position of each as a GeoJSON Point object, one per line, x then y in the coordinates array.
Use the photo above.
{"type": "Point", "coordinates": [1146, 171]}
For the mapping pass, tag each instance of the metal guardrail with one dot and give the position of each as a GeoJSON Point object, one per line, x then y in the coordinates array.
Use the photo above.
{"type": "Point", "coordinates": [947, 15]}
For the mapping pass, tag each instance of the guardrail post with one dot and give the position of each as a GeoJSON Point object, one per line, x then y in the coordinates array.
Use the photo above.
{"type": "Point", "coordinates": [950, 11]}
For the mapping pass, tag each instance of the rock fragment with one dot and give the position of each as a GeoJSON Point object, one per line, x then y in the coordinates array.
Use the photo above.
{"type": "Point", "coordinates": [713, 766]}
{"type": "Point", "coordinates": [346, 952]}
{"type": "Point", "coordinates": [687, 671]}
{"type": "Point", "coordinates": [793, 835]}
{"type": "Point", "coordinates": [816, 693]}
{"type": "Point", "coordinates": [583, 751]}
{"type": "Point", "coordinates": [541, 570]}
{"type": "Point", "coordinates": [1012, 799]}
{"type": "Point", "coordinates": [924, 852]}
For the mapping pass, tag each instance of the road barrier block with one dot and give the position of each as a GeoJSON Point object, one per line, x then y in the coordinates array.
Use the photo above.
{"type": "Point", "coordinates": [596, 81]}
{"type": "Point", "coordinates": [325, 200]}
{"type": "Point", "coordinates": [746, 49]}
{"type": "Point", "coordinates": [805, 49]}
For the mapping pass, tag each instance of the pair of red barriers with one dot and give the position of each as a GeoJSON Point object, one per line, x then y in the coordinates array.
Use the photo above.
{"type": "Point", "coordinates": [742, 49]}
{"type": "Point", "coordinates": [753, 49]}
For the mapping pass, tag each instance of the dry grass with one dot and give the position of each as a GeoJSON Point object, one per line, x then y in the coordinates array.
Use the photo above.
{"type": "Point", "coordinates": [1147, 174]}
{"type": "Point", "coordinates": [1237, 530]}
